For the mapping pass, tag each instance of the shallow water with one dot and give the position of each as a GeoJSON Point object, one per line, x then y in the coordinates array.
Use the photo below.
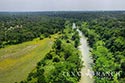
{"type": "Point", "coordinates": [86, 72]}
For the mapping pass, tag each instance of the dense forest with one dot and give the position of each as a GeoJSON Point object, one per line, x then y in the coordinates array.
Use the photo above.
{"type": "Point", "coordinates": [20, 27]}
{"type": "Point", "coordinates": [106, 37]}
{"type": "Point", "coordinates": [105, 31]}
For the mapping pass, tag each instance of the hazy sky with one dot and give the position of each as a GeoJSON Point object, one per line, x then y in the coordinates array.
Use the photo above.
{"type": "Point", "coordinates": [61, 5]}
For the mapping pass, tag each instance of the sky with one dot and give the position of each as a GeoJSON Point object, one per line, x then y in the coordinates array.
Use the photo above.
{"type": "Point", "coordinates": [61, 5]}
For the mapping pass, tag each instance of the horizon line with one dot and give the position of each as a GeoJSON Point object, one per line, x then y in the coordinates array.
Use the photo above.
{"type": "Point", "coordinates": [59, 10]}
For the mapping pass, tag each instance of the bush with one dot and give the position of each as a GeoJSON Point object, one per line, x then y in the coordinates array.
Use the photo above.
{"type": "Point", "coordinates": [56, 59]}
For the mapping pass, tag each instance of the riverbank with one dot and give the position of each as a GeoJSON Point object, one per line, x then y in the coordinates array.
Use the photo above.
{"type": "Point", "coordinates": [86, 71]}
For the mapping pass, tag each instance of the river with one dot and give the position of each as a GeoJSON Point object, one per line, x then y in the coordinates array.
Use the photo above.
{"type": "Point", "coordinates": [86, 71]}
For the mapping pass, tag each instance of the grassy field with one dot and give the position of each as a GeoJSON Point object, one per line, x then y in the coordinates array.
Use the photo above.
{"type": "Point", "coordinates": [16, 61]}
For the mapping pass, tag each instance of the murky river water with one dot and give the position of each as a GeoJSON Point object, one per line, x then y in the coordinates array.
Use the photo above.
{"type": "Point", "coordinates": [86, 72]}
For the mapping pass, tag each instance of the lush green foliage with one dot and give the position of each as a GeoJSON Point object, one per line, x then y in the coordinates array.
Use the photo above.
{"type": "Point", "coordinates": [17, 28]}
{"type": "Point", "coordinates": [62, 64]}
{"type": "Point", "coordinates": [106, 36]}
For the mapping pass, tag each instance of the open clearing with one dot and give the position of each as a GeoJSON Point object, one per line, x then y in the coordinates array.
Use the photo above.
{"type": "Point", "coordinates": [16, 61]}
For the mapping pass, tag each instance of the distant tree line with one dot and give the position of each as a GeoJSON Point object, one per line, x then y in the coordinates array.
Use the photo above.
{"type": "Point", "coordinates": [19, 27]}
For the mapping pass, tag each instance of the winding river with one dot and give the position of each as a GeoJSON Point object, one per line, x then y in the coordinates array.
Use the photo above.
{"type": "Point", "coordinates": [86, 71]}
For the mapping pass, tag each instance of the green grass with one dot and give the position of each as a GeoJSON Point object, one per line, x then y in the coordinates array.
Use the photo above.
{"type": "Point", "coordinates": [16, 61]}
